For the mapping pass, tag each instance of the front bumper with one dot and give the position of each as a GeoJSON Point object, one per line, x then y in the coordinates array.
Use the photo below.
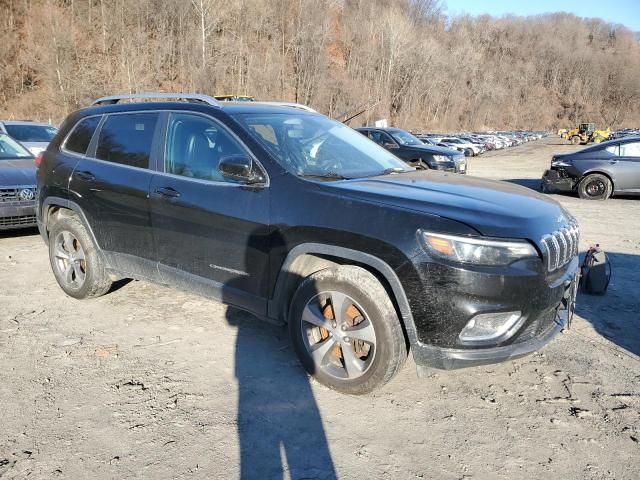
{"type": "Point", "coordinates": [456, 166]}
{"type": "Point", "coordinates": [18, 216]}
{"type": "Point", "coordinates": [558, 179]}
{"type": "Point", "coordinates": [546, 302]}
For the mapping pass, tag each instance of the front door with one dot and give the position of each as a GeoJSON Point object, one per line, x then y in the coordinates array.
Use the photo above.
{"type": "Point", "coordinates": [209, 231]}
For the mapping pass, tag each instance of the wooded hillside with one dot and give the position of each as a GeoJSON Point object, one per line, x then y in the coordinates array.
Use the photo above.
{"type": "Point", "coordinates": [425, 70]}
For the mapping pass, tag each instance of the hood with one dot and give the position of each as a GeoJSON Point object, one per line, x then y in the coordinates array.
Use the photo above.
{"type": "Point", "coordinates": [435, 150]}
{"type": "Point", "coordinates": [17, 172]}
{"type": "Point", "coordinates": [493, 208]}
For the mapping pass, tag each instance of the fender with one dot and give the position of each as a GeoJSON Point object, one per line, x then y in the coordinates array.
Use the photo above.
{"type": "Point", "coordinates": [279, 304]}
{"type": "Point", "coordinates": [68, 204]}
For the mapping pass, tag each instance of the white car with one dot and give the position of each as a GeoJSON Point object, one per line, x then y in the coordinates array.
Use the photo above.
{"type": "Point", "coordinates": [33, 136]}
{"type": "Point", "coordinates": [459, 143]}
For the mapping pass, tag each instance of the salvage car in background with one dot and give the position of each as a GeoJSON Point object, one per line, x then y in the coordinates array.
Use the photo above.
{"type": "Point", "coordinates": [414, 151]}
{"type": "Point", "coordinates": [17, 185]}
{"type": "Point", "coordinates": [34, 136]}
{"type": "Point", "coordinates": [597, 172]}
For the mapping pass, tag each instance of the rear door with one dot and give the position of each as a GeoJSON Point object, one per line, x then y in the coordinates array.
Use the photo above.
{"type": "Point", "coordinates": [628, 167]}
{"type": "Point", "coordinates": [111, 184]}
{"type": "Point", "coordinates": [209, 230]}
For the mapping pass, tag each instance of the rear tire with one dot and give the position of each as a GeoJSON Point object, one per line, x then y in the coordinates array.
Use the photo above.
{"type": "Point", "coordinates": [575, 140]}
{"type": "Point", "coordinates": [76, 262]}
{"type": "Point", "coordinates": [595, 187]}
{"type": "Point", "coordinates": [345, 330]}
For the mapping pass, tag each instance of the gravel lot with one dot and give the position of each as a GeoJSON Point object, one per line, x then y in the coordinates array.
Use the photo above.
{"type": "Point", "coordinates": [148, 382]}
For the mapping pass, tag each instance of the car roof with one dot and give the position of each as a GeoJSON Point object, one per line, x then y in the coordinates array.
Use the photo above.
{"type": "Point", "coordinates": [229, 107]}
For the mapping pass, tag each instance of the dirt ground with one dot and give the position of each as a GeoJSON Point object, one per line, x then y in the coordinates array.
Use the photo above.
{"type": "Point", "coordinates": [148, 382]}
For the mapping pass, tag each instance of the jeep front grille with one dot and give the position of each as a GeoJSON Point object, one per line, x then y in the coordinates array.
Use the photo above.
{"type": "Point", "coordinates": [561, 246]}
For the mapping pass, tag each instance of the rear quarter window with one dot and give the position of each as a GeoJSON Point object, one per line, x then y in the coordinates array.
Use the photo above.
{"type": "Point", "coordinates": [80, 137]}
{"type": "Point", "coordinates": [126, 139]}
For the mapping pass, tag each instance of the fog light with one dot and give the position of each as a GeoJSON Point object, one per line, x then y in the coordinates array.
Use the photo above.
{"type": "Point", "coordinates": [491, 327]}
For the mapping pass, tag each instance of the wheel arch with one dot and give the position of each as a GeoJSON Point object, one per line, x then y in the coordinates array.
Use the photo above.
{"type": "Point", "coordinates": [308, 258]}
{"type": "Point", "coordinates": [598, 172]}
{"type": "Point", "coordinates": [52, 207]}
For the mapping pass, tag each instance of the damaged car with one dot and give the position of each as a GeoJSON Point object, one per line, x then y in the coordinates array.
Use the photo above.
{"type": "Point", "coordinates": [597, 172]}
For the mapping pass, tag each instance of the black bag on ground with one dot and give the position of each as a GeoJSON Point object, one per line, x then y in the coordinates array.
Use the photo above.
{"type": "Point", "coordinates": [595, 272]}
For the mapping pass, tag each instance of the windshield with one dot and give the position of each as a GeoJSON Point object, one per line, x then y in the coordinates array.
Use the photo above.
{"type": "Point", "coordinates": [10, 149]}
{"type": "Point", "coordinates": [32, 133]}
{"type": "Point", "coordinates": [405, 138]}
{"type": "Point", "coordinates": [313, 145]}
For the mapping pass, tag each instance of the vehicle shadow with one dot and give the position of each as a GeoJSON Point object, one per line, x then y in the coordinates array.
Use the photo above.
{"type": "Point", "coordinates": [19, 232]}
{"type": "Point", "coordinates": [532, 183]}
{"type": "Point", "coordinates": [536, 184]}
{"type": "Point", "coordinates": [615, 314]}
{"type": "Point", "coordinates": [280, 428]}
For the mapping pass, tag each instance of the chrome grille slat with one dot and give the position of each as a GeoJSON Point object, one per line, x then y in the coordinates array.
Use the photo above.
{"type": "Point", "coordinates": [561, 246]}
{"type": "Point", "coordinates": [12, 195]}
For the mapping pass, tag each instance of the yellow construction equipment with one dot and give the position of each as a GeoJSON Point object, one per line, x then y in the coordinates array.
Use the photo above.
{"type": "Point", "coordinates": [585, 133]}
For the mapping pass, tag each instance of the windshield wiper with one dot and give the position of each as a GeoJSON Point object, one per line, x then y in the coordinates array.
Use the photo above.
{"type": "Point", "coordinates": [328, 175]}
{"type": "Point", "coordinates": [387, 171]}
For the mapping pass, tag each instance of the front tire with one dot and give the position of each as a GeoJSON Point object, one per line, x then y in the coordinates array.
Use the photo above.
{"type": "Point", "coordinates": [345, 330]}
{"type": "Point", "coordinates": [595, 187]}
{"type": "Point", "coordinates": [419, 164]}
{"type": "Point", "coordinates": [76, 262]}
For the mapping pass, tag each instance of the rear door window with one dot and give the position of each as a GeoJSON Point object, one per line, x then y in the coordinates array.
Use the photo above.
{"type": "Point", "coordinates": [126, 139]}
{"type": "Point", "coordinates": [613, 149]}
{"type": "Point", "coordinates": [80, 138]}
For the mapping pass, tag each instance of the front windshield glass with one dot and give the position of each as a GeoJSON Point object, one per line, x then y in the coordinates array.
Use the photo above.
{"type": "Point", "coordinates": [32, 133]}
{"type": "Point", "coordinates": [405, 138]}
{"type": "Point", "coordinates": [10, 149]}
{"type": "Point", "coordinates": [313, 145]}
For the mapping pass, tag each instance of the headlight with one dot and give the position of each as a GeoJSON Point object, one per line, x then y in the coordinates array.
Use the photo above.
{"type": "Point", "coordinates": [441, 158]}
{"type": "Point", "coordinates": [477, 251]}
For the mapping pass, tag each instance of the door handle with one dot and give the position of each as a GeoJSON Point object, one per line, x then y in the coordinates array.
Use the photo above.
{"type": "Point", "coordinates": [613, 162]}
{"type": "Point", "coordinates": [88, 176]}
{"type": "Point", "coordinates": [167, 192]}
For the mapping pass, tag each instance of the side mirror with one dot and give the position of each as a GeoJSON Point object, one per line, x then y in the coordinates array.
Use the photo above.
{"type": "Point", "coordinates": [240, 168]}
{"type": "Point", "coordinates": [390, 145]}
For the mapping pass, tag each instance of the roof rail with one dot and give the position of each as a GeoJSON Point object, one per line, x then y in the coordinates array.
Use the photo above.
{"type": "Point", "coordinates": [187, 97]}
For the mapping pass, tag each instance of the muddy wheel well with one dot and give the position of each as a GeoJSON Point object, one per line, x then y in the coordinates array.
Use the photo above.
{"type": "Point", "coordinates": [55, 212]}
{"type": "Point", "coordinates": [309, 263]}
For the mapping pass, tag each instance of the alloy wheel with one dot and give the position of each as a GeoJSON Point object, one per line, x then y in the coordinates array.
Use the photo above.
{"type": "Point", "coordinates": [70, 259]}
{"type": "Point", "coordinates": [338, 335]}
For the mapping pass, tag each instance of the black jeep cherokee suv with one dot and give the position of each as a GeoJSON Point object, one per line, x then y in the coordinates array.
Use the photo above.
{"type": "Point", "coordinates": [300, 219]}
